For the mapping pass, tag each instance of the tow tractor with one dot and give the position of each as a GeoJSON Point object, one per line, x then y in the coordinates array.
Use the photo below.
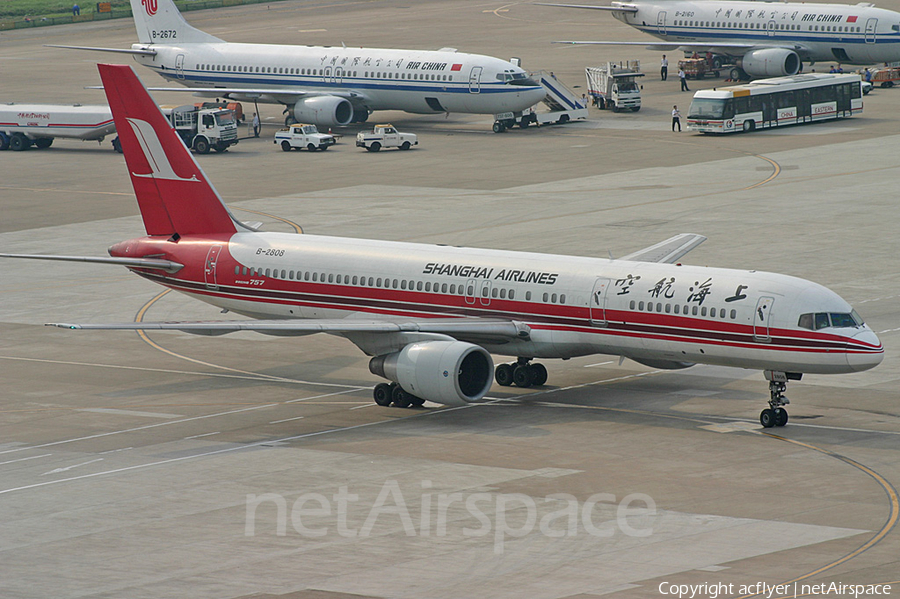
{"type": "Point", "coordinates": [301, 135]}
{"type": "Point", "coordinates": [385, 136]}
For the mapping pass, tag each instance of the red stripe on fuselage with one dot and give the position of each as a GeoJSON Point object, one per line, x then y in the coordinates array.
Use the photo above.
{"type": "Point", "coordinates": [633, 324]}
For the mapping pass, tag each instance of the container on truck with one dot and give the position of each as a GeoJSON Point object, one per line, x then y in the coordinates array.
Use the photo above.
{"type": "Point", "coordinates": [204, 129]}
{"type": "Point", "coordinates": [615, 86]}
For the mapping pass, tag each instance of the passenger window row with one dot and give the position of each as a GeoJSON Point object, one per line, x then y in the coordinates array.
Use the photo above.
{"type": "Point", "coordinates": [761, 25]}
{"type": "Point", "coordinates": [323, 73]}
{"type": "Point", "coordinates": [702, 311]}
{"type": "Point", "coordinates": [391, 283]}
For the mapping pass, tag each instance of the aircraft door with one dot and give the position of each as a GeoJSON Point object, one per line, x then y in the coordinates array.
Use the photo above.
{"type": "Point", "coordinates": [179, 66]}
{"type": "Point", "coordinates": [598, 302]}
{"type": "Point", "coordinates": [761, 319]}
{"type": "Point", "coordinates": [770, 28]}
{"type": "Point", "coordinates": [484, 294]}
{"type": "Point", "coordinates": [326, 75]}
{"type": "Point", "coordinates": [661, 22]}
{"type": "Point", "coordinates": [475, 80]}
{"type": "Point", "coordinates": [470, 291]}
{"type": "Point", "coordinates": [871, 26]}
{"type": "Point", "coordinates": [209, 271]}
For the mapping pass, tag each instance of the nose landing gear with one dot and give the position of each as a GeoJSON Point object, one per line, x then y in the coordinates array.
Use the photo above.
{"type": "Point", "coordinates": [775, 414]}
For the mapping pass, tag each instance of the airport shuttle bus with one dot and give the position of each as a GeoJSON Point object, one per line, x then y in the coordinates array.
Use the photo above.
{"type": "Point", "coordinates": [775, 102]}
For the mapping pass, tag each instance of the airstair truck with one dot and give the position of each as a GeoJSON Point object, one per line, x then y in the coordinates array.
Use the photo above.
{"type": "Point", "coordinates": [203, 129]}
{"type": "Point", "coordinates": [25, 125]}
{"type": "Point", "coordinates": [561, 105]}
{"type": "Point", "coordinates": [614, 86]}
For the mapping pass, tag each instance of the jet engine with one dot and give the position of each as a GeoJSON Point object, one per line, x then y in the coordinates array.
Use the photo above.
{"type": "Point", "coordinates": [771, 62]}
{"type": "Point", "coordinates": [324, 111]}
{"type": "Point", "coordinates": [452, 373]}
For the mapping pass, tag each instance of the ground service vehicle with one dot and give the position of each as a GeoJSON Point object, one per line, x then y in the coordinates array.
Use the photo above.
{"type": "Point", "coordinates": [303, 136]}
{"type": "Point", "coordinates": [774, 102]}
{"type": "Point", "coordinates": [203, 129]}
{"type": "Point", "coordinates": [885, 77]}
{"type": "Point", "coordinates": [235, 107]}
{"type": "Point", "coordinates": [613, 86]}
{"type": "Point", "coordinates": [26, 125]}
{"type": "Point", "coordinates": [385, 136]}
{"type": "Point", "coordinates": [559, 106]}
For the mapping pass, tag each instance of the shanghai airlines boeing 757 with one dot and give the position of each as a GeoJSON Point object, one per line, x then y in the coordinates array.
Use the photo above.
{"type": "Point", "coordinates": [430, 316]}
{"type": "Point", "coordinates": [328, 86]}
{"type": "Point", "coordinates": [766, 39]}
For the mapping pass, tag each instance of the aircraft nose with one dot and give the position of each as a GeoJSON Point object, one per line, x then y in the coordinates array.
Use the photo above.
{"type": "Point", "coordinates": [870, 351]}
{"type": "Point", "coordinates": [535, 95]}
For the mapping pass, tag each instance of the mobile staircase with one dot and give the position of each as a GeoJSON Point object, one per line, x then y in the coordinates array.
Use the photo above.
{"type": "Point", "coordinates": [559, 106]}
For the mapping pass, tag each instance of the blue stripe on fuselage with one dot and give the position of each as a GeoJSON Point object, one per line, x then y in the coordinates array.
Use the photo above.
{"type": "Point", "coordinates": [251, 79]}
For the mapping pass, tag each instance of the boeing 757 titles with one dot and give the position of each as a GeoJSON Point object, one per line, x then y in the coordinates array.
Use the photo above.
{"type": "Point", "coordinates": [328, 86]}
{"type": "Point", "coordinates": [431, 315]}
{"type": "Point", "coordinates": [766, 39]}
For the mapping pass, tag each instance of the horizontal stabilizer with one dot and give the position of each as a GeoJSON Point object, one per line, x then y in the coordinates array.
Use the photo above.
{"type": "Point", "coordinates": [152, 263]}
{"type": "Point", "coordinates": [114, 50]}
{"type": "Point", "coordinates": [590, 7]}
{"type": "Point", "coordinates": [667, 251]}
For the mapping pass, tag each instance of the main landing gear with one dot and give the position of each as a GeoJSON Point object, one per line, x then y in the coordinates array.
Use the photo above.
{"type": "Point", "coordinates": [775, 414]}
{"type": "Point", "coordinates": [387, 394]}
{"type": "Point", "coordinates": [521, 373]}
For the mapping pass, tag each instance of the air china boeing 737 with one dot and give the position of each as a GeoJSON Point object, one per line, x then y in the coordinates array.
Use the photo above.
{"type": "Point", "coordinates": [430, 316]}
{"type": "Point", "coordinates": [767, 39]}
{"type": "Point", "coordinates": [327, 86]}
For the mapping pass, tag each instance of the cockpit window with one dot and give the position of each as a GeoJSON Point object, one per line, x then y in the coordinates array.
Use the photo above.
{"type": "Point", "coordinates": [824, 320]}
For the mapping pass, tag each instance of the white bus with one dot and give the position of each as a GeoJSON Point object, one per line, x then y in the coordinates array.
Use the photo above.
{"type": "Point", "coordinates": [775, 102]}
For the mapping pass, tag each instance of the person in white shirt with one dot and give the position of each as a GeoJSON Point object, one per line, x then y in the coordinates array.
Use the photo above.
{"type": "Point", "coordinates": [676, 119]}
{"type": "Point", "coordinates": [664, 68]}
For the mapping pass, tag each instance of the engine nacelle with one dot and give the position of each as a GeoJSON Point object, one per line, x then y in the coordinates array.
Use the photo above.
{"type": "Point", "coordinates": [452, 373]}
{"type": "Point", "coordinates": [771, 62]}
{"type": "Point", "coordinates": [323, 111]}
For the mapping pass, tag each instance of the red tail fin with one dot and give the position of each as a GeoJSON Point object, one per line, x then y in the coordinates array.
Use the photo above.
{"type": "Point", "coordinates": [172, 191]}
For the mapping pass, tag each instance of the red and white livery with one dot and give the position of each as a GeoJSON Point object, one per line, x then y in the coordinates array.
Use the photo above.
{"type": "Point", "coordinates": [430, 316]}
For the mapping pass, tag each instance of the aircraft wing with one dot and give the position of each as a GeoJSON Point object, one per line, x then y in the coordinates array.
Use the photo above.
{"type": "Point", "coordinates": [282, 96]}
{"type": "Point", "coordinates": [667, 251]}
{"type": "Point", "coordinates": [724, 48]}
{"type": "Point", "coordinates": [471, 329]}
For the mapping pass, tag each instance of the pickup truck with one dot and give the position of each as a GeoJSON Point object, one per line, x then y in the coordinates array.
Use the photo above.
{"type": "Point", "coordinates": [385, 136]}
{"type": "Point", "coordinates": [302, 135]}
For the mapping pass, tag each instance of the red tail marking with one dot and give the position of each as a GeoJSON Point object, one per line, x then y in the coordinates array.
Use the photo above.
{"type": "Point", "coordinates": [172, 191]}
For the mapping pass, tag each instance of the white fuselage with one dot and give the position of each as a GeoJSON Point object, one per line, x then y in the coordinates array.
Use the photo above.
{"type": "Point", "coordinates": [415, 81]}
{"type": "Point", "coordinates": [573, 305]}
{"type": "Point", "coordinates": [842, 33]}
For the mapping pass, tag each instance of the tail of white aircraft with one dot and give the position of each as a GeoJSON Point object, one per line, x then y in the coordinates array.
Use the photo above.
{"type": "Point", "coordinates": [172, 191]}
{"type": "Point", "coordinates": [160, 21]}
